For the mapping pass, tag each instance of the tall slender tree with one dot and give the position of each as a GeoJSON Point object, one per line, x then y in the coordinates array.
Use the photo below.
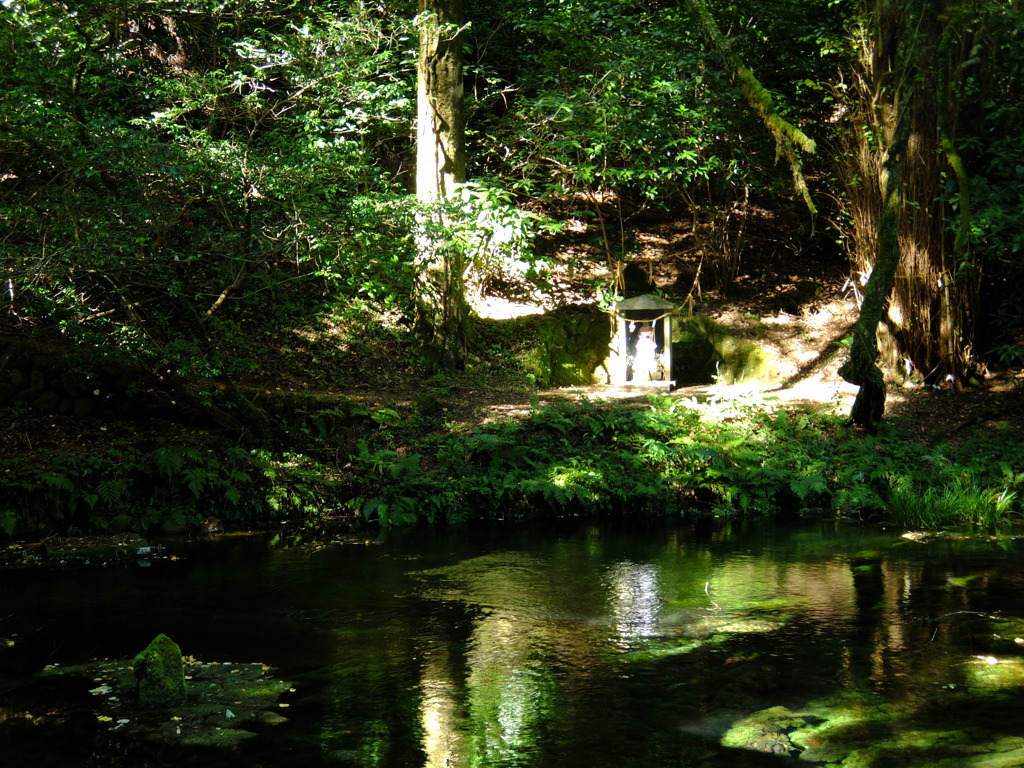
{"type": "Point", "coordinates": [441, 309]}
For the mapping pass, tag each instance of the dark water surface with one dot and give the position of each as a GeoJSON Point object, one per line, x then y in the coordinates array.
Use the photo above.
{"type": "Point", "coordinates": [590, 645]}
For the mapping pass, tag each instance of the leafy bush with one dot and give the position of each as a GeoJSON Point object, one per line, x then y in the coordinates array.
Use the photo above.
{"type": "Point", "coordinates": [720, 456]}
{"type": "Point", "coordinates": [126, 488]}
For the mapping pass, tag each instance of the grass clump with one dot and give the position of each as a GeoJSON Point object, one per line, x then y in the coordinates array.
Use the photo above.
{"type": "Point", "coordinates": [963, 501]}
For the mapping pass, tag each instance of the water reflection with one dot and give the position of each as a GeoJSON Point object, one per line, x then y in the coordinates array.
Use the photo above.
{"type": "Point", "coordinates": [565, 649]}
{"type": "Point", "coordinates": [635, 601]}
{"type": "Point", "coordinates": [440, 714]}
{"type": "Point", "coordinates": [595, 648]}
{"type": "Point", "coordinates": [507, 682]}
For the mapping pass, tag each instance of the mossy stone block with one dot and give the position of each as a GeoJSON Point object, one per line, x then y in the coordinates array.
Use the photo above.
{"type": "Point", "coordinates": [47, 402]}
{"type": "Point", "coordinates": [160, 674]}
{"type": "Point", "coordinates": [569, 345]}
{"type": "Point", "coordinates": [704, 351]}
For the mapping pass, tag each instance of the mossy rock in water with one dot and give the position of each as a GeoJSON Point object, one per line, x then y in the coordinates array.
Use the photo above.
{"type": "Point", "coordinates": [227, 702]}
{"type": "Point", "coordinates": [833, 740]}
{"type": "Point", "coordinates": [990, 672]}
{"type": "Point", "coordinates": [765, 731]}
{"type": "Point", "coordinates": [160, 674]}
{"type": "Point", "coordinates": [704, 351]}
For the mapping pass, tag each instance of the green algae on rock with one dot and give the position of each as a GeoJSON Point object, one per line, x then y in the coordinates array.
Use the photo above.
{"type": "Point", "coordinates": [227, 702]}
{"type": "Point", "coordinates": [860, 731]}
{"type": "Point", "coordinates": [160, 674]}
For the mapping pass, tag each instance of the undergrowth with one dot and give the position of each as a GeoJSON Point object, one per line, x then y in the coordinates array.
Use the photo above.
{"type": "Point", "coordinates": [722, 457]}
{"type": "Point", "coordinates": [124, 488]}
{"type": "Point", "coordinates": [749, 457]}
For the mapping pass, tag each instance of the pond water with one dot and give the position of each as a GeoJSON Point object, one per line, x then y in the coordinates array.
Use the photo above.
{"type": "Point", "coordinates": [628, 644]}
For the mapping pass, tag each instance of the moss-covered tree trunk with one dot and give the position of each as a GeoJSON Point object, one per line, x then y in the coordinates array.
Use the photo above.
{"type": "Point", "coordinates": [933, 305]}
{"type": "Point", "coordinates": [861, 368]}
{"type": "Point", "coordinates": [789, 140]}
{"type": "Point", "coordinates": [441, 309]}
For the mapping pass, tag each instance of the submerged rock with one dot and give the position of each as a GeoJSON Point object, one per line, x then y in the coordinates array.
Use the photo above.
{"type": "Point", "coordinates": [766, 731]}
{"type": "Point", "coordinates": [227, 703]}
{"type": "Point", "coordinates": [160, 674]}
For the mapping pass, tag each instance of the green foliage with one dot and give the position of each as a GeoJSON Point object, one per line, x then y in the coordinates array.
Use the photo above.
{"type": "Point", "coordinates": [971, 483]}
{"type": "Point", "coordinates": [294, 485]}
{"type": "Point", "coordinates": [612, 102]}
{"type": "Point", "coordinates": [624, 97]}
{"type": "Point", "coordinates": [961, 501]}
{"type": "Point", "coordinates": [589, 458]}
{"type": "Point", "coordinates": [721, 456]}
{"type": "Point", "coordinates": [985, 189]}
{"type": "Point", "coordinates": [157, 164]}
{"type": "Point", "coordinates": [179, 484]}
{"type": "Point", "coordinates": [496, 237]}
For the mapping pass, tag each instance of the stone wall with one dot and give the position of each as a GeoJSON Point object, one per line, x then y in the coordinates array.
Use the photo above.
{"type": "Point", "coordinates": [704, 351]}
{"type": "Point", "coordinates": [570, 347]}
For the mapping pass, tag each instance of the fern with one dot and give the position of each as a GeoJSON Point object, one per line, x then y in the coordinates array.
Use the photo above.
{"type": "Point", "coordinates": [405, 467]}
{"type": "Point", "coordinates": [60, 482]}
{"type": "Point", "coordinates": [376, 507]}
{"type": "Point", "coordinates": [169, 461]}
{"type": "Point", "coordinates": [196, 479]}
{"type": "Point", "coordinates": [112, 491]}
{"type": "Point", "coordinates": [232, 495]}
{"type": "Point", "coordinates": [8, 522]}
{"type": "Point", "coordinates": [803, 486]}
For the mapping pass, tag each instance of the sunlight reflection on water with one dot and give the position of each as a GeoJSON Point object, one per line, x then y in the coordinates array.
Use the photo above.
{"type": "Point", "coordinates": [635, 601]}
{"type": "Point", "coordinates": [595, 647]}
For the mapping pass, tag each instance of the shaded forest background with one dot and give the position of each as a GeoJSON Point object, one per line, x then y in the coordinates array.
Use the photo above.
{"type": "Point", "coordinates": [212, 201]}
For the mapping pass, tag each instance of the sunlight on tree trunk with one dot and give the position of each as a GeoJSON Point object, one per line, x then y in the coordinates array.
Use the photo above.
{"type": "Point", "coordinates": [441, 309]}
{"type": "Point", "coordinates": [861, 369]}
{"type": "Point", "coordinates": [934, 305]}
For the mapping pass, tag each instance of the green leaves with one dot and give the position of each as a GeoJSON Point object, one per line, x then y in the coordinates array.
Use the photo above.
{"type": "Point", "coordinates": [589, 458]}
{"type": "Point", "coordinates": [725, 458]}
{"type": "Point", "coordinates": [155, 162]}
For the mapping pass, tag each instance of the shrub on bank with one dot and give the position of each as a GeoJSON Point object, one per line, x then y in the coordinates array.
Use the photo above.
{"type": "Point", "coordinates": [721, 456]}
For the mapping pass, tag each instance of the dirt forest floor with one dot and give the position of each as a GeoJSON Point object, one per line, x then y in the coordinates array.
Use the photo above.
{"type": "Point", "coordinates": [807, 353]}
{"type": "Point", "coordinates": [798, 304]}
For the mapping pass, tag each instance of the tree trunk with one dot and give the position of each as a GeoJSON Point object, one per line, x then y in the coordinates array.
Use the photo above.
{"type": "Point", "coordinates": [861, 369]}
{"type": "Point", "coordinates": [441, 310]}
{"type": "Point", "coordinates": [934, 302]}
